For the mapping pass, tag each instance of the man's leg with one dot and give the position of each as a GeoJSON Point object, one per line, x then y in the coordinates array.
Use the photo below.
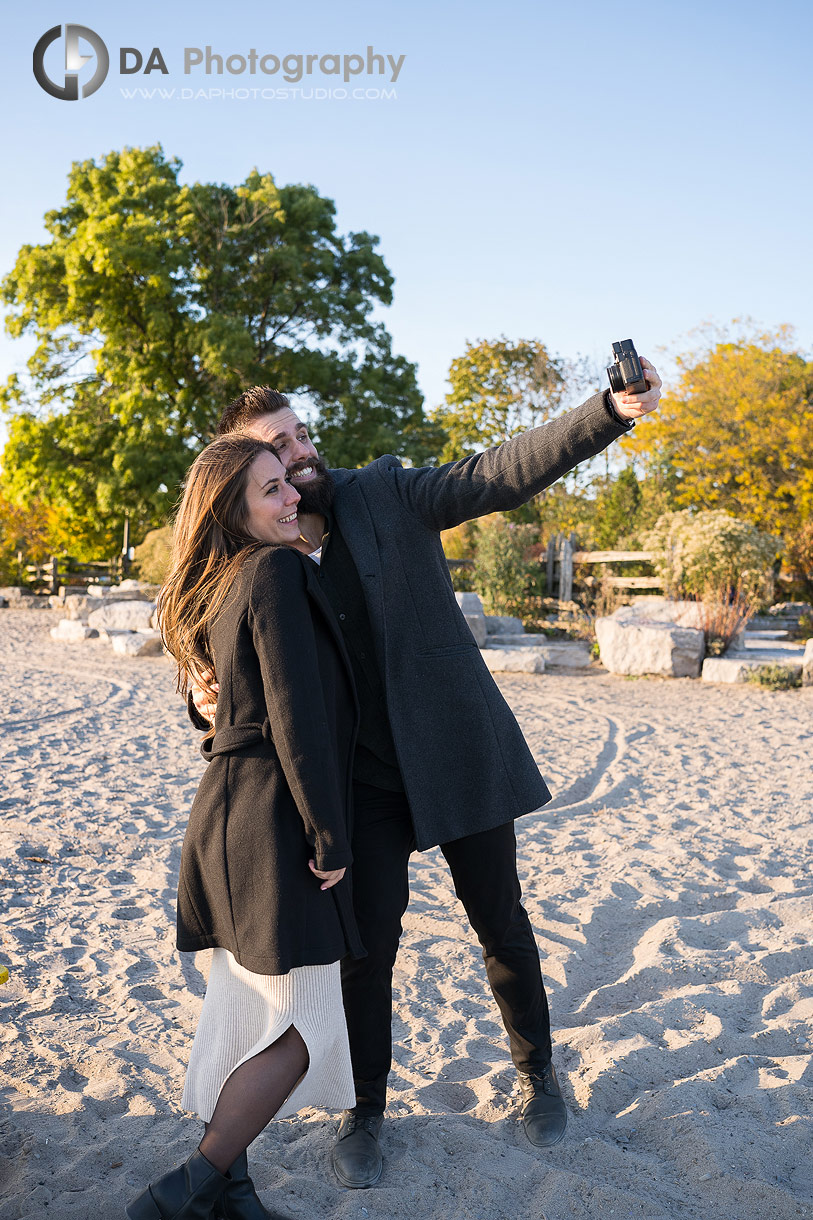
{"type": "Point", "coordinates": [484, 870]}
{"type": "Point", "coordinates": [382, 842]}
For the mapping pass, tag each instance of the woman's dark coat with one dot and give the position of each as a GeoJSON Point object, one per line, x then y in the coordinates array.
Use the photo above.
{"type": "Point", "coordinates": [278, 787]}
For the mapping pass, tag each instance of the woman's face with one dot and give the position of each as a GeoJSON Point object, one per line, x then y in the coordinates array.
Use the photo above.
{"type": "Point", "coordinates": [271, 501]}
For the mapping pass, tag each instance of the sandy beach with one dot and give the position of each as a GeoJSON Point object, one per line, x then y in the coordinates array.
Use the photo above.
{"type": "Point", "coordinates": [669, 885]}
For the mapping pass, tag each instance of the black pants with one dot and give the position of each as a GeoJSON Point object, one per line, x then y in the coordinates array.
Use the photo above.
{"type": "Point", "coordinates": [484, 870]}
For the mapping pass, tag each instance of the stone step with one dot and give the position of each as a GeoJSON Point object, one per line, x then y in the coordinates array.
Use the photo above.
{"type": "Point", "coordinates": [514, 660]}
{"type": "Point", "coordinates": [764, 643]}
{"type": "Point", "coordinates": [570, 654]}
{"type": "Point", "coordinates": [735, 668]}
{"type": "Point", "coordinates": [505, 639]}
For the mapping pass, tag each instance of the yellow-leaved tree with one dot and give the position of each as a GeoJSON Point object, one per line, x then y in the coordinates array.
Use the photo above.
{"type": "Point", "coordinates": [737, 430]}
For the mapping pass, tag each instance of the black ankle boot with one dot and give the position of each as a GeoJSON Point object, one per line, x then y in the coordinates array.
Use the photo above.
{"type": "Point", "coordinates": [238, 1200]}
{"type": "Point", "coordinates": [186, 1193]}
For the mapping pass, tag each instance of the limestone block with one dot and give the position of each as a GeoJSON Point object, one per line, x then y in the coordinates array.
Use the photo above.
{"type": "Point", "coordinates": [807, 664]}
{"type": "Point", "coordinates": [662, 648]}
{"type": "Point", "coordinates": [14, 593]}
{"type": "Point", "coordinates": [122, 615]}
{"type": "Point", "coordinates": [509, 640]}
{"type": "Point", "coordinates": [72, 631]}
{"type": "Point", "coordinates": [660, 610]}
{"type": "Point", "coordinates": [469, 603]}
{"type": "Point", "coordinates": [477, 626]}
{"type": "Point", "coordinates": [732, 669]}
{"type": "Point", "coordinates": [137, 643]}
{"type": "Point", "coordinates": [503, 624]}
{"type": "Point", "coordinates": [78, 606]}
{"type": "Point", "coordinates": [725, 669]}
{"type": "Point", "coordinates": [568, 654]}
{"type": "Point", "coordinates": [514, 660]}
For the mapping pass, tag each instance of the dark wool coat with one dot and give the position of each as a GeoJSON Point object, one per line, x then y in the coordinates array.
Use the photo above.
{"type": "Point", "coordinates": [464, 762]}
{"type": "Point", "coordinates": [278, 785]}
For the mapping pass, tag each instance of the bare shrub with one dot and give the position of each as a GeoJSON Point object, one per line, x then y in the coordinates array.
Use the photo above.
{"type": "Point", "coordinates": [723, 613]}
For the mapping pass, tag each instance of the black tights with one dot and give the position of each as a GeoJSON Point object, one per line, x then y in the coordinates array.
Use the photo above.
{"type": "Point", "coordinates": [251, 1097]}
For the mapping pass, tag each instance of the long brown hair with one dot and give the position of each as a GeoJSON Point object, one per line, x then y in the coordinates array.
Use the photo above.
{"type": "Point", "coordinates": [210, 543]}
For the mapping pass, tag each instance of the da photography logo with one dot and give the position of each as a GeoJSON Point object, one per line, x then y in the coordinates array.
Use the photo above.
{"type": "Point", "coordinates": [68, 88]}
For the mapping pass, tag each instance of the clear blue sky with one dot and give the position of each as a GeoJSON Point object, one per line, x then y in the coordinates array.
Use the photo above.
{"type": "Point", "coordinates": [575, 173]}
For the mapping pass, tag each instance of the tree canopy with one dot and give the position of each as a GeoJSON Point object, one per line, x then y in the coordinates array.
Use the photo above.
{"type": "Point", "coordinates": [737, 432]}
{"type": "Point", "coordinates": [499, 388]}
{"type": "Point", "coordinates": [154, 303]}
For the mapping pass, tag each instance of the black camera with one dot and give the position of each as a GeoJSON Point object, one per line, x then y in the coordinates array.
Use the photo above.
{"type": "Point", "coordinates": [625, 374]}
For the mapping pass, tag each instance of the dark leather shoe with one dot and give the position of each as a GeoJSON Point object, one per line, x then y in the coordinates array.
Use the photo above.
{"type": "Point", "coordinates": [357, 1160]}
{"type": "Point", "coordinates": [543, 1112]}
{"type": "Point", "coordinates": [239, 1199]}
{"type": "Point", "coordinates": [186, 1193]}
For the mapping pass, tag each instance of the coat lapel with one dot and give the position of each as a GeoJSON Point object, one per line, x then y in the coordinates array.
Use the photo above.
{"type": "Point", "coordinates": [317, 595]}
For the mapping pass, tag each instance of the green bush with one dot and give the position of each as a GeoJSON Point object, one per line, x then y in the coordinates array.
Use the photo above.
{"type": "Point", "coordinates": [696, 550]}
{"type": "Point", "coordinates": [774, 677]}
{"type": "Point", "coordinates": [504, 576]}
{"type": "Point", "coordinates": [152, 557]}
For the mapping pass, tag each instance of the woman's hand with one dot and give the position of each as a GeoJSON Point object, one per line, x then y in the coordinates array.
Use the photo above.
{"type": "Point", "coordinates": [202, 699]}
{"type": "Point", "coordinates": [330, 878]}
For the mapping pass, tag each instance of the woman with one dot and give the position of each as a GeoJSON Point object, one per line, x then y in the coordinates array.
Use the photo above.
{"type": "Point", "coordinates": [262, 877]}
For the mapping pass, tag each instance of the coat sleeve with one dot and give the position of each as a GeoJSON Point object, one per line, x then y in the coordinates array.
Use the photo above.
{"type": "Point", "coordinates": [285, 642]}
{"type": "Point", "coordinates": [510, 475]}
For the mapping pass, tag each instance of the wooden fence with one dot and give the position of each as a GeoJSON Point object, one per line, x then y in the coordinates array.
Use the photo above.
{"type": "Point", "coordinates": [562, 555]}
{"type": "Point", "coordinates": [47, 577]}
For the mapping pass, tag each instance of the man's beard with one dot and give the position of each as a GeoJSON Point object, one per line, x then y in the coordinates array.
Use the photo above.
{"type": "Point", "coordinates": [316, 495]}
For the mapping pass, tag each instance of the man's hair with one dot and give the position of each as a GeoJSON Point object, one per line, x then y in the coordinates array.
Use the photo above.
{"type": "Point", "coordinates": [251, 404]}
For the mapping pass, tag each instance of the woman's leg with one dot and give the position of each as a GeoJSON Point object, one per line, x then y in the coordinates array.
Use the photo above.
{"type": "Point", "coordinates": [251, 1097]}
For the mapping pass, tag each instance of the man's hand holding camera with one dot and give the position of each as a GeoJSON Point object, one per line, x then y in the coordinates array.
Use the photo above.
{"type": "Point", "coordinates": [635, 386]}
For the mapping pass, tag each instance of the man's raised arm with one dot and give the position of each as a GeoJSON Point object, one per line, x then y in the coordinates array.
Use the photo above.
{"type": "Point", "coordinates": [511, 474]}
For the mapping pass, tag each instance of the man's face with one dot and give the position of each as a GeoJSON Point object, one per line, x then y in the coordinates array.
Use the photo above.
{"type": "Point", "coordinates": [306, 470]}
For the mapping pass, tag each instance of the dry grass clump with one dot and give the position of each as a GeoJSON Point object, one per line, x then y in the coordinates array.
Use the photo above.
{"type": "Point", "coordinates": [723, 613]}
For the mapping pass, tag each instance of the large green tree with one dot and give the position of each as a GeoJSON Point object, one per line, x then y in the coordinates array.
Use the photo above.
{"type": "Point", "coordinates": [499, 388]}
{"type": "Point", "coordinates": [154, 303]}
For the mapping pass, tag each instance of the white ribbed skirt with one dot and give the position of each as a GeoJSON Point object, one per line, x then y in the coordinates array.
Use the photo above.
{"type": "Point", "coordinates": [243, 1013]}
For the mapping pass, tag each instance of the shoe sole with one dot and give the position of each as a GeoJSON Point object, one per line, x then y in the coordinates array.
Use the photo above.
{"type": "Point", "coordinates": [356, 1185]}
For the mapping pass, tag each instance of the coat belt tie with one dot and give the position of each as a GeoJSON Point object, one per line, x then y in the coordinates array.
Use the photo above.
{"type": "Point", "coordinates": [235, 737]}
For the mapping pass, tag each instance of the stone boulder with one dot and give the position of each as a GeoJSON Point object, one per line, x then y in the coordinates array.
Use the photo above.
{"type": "Point", "coordinates": [116, 615]}
{"type": "Point", "coordinates": [79, 606]}
{"type": "Point", "coordinates": [660, 610]}
{"type": "Point", "coordinates": [137, 643]}
{"type": "Point", "coordinates": [629, 646]}
{"type": "Point", "coordinates": [807, 665]}
{"type": "Point", "coordinates": [14, 593]}
{"type": "Point", "coordinates": [72, 631]}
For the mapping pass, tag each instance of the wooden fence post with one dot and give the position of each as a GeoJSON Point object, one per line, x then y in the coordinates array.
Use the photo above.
{"type": "Point", "coordinates": [550, 561]}
{"type": "Point", "coordinates": [54, 566]}
{"type": "Point", "coordinates": [566, 571]}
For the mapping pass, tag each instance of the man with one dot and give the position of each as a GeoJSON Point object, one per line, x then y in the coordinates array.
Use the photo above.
{"type": "Point", "coordinates": [440, 758]}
